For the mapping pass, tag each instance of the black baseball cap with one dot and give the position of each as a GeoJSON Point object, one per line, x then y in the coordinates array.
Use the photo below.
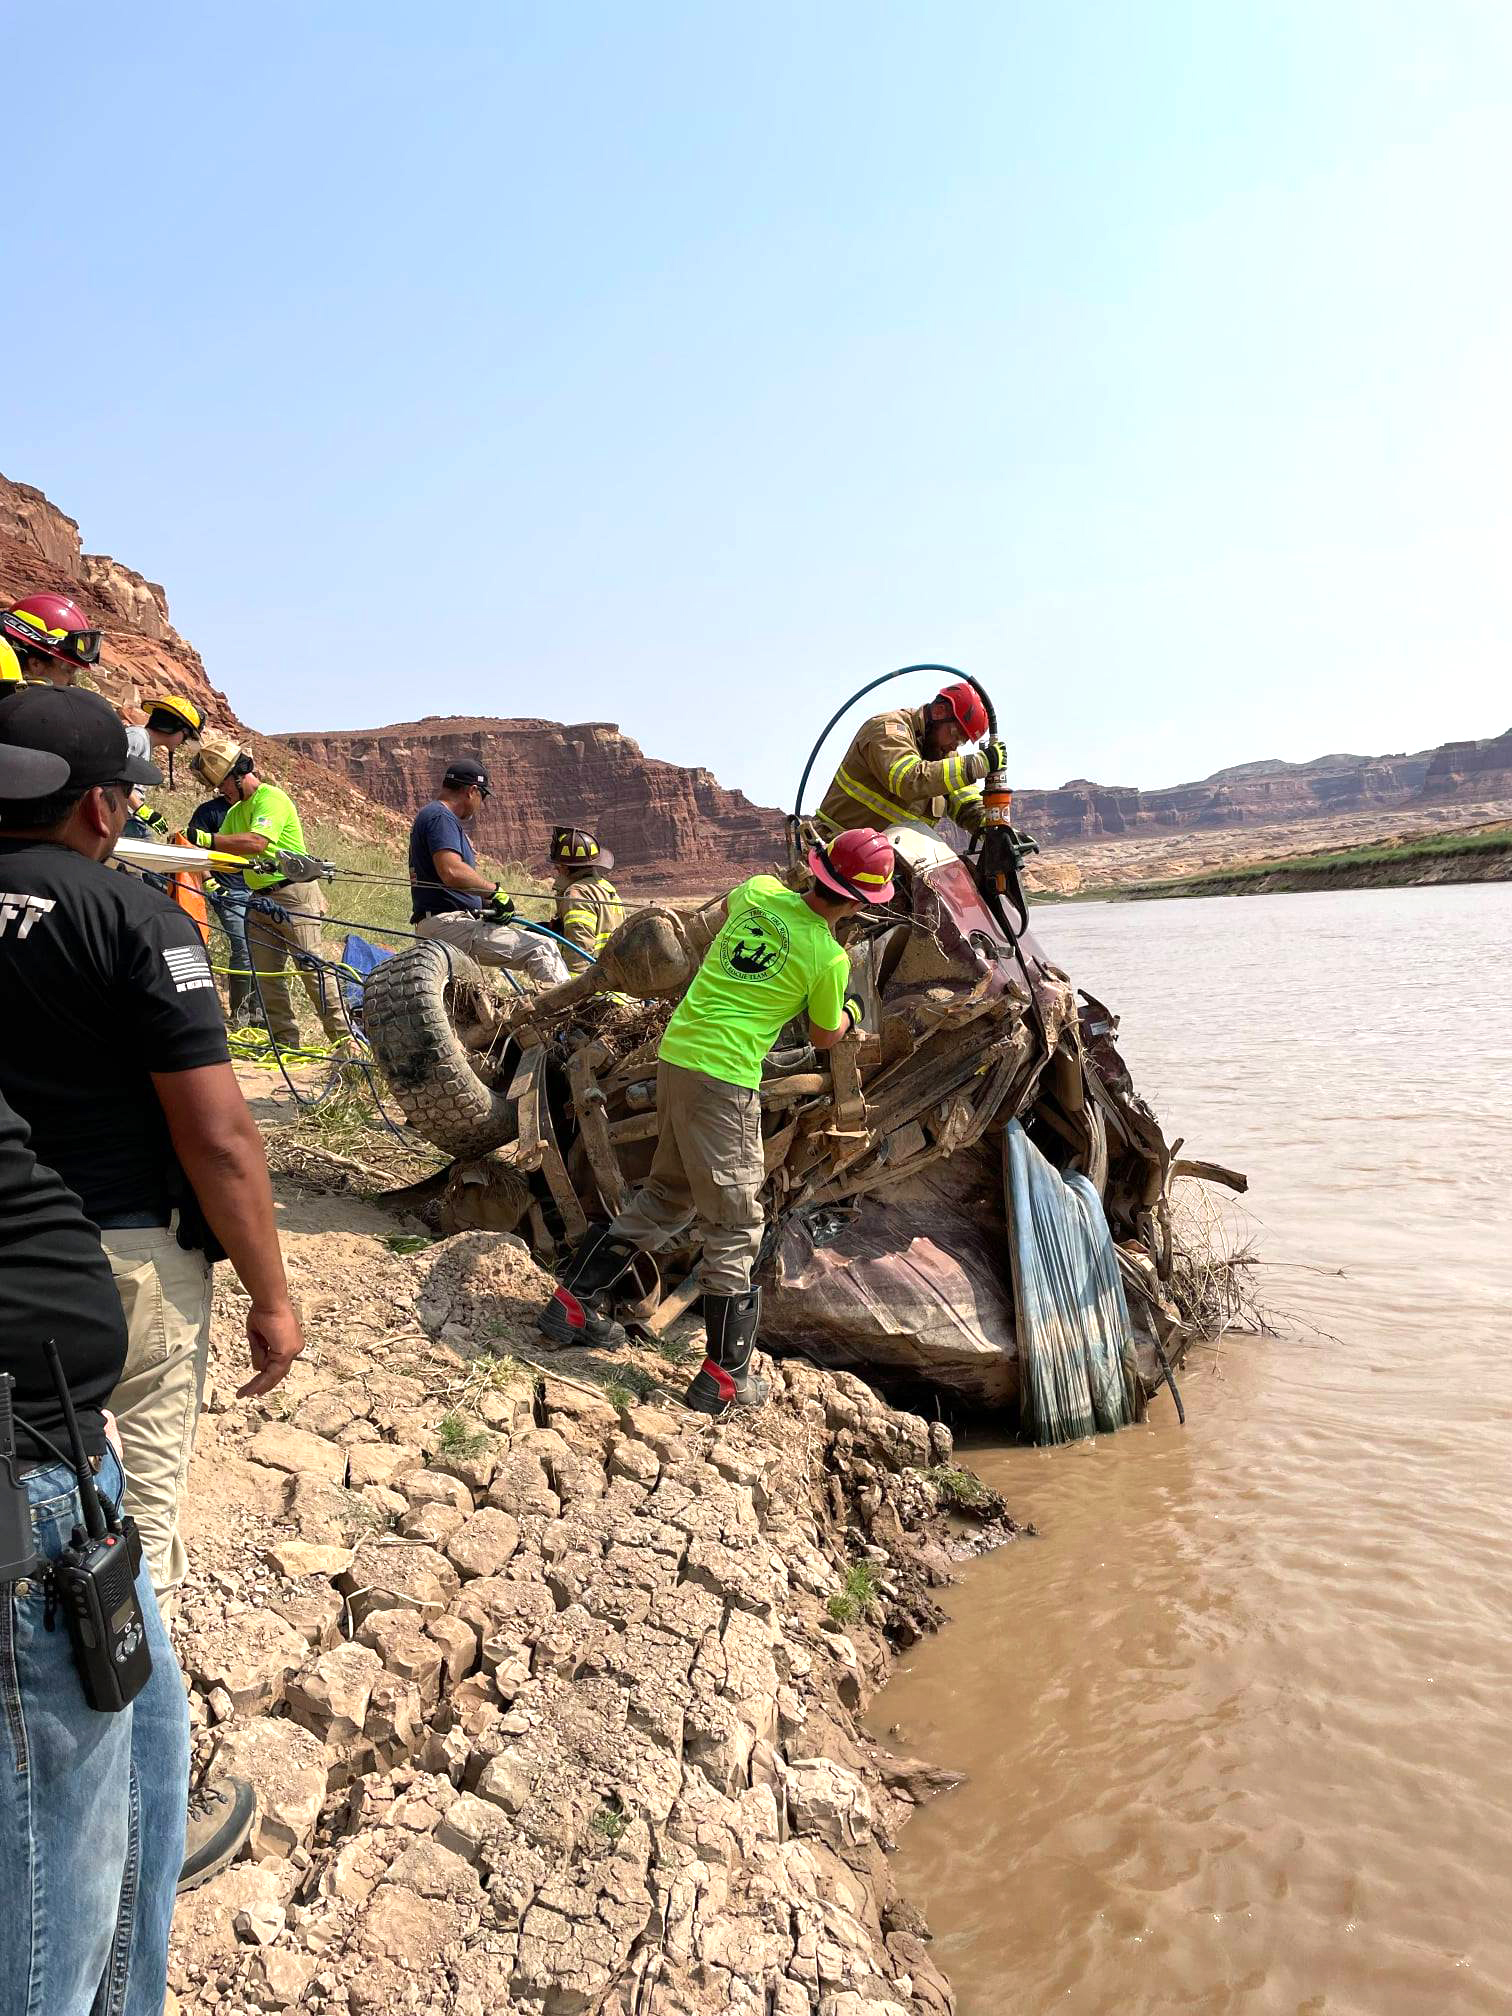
{"type": "Point", "coordinates": [467, 770]}
{"type": "Point", "coordinates": [57, 737]}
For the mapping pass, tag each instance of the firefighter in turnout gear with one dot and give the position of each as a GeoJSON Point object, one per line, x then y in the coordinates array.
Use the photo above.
{"type": "Point", "coordinates": [776, 956]}
{"type": "Point", "coordinates": [904, 765]}
{"type": "Point", "coordinates": [588, 906]}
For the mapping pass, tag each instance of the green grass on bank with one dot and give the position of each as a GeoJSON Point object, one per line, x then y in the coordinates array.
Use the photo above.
{"type": "Point", "coordinates": [1472, 840]}
{"type": "Point", "coordinates": [1424, 847]}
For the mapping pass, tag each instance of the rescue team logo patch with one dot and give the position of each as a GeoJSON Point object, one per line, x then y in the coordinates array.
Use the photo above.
{"type": "Point", "coordinates": [189, 967]}
{"type": "Point", "coordinates": [754, 946]}
{"type": "Point", "coordinates": [19, 913]}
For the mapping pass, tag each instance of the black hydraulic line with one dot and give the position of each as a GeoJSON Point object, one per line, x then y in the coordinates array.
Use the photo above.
{"type": "Point", "coordinates": [954, 672]}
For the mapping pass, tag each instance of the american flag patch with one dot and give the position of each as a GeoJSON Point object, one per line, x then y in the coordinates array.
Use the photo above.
{"type": "Point", "coordinates": [189, 967]}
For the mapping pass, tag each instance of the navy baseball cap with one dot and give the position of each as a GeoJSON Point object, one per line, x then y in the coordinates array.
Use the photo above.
{"type": "Point", "coordinates": [54, 738]}
{"type": "Point", "coordinates": [467, 770]}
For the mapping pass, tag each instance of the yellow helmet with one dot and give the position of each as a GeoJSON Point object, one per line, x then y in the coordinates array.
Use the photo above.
{"type": "Point", "coordinates": [215, 759]}
{"type": "Point", "coordinates": [10, 666]}
{"type": "Point", "coordinates": [181, 709]}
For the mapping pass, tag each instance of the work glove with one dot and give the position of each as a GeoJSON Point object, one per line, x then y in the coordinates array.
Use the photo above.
{"type": "Point", "coordinates": [499, 909]}
{"type": "Point", "coordinates": [996, 754]}
{"type": "Point", "coordinates": [200, 838]}
{"type": "Point", "coordinates": [855, 1010]}
{"type": "Point", "coordinates": [150, 816]}
{"type": "Point", "coordinates": [297, 867]}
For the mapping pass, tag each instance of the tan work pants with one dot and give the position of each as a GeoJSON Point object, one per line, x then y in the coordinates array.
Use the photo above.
{"type": "Point", "coordinates": [271, 941]}
{"type": "Point", "coordinates": [708, 1167]}
{"type": "Point", "coordinates": [165, 1294]}
{"type": "Point", "coordinates": [497, 945]}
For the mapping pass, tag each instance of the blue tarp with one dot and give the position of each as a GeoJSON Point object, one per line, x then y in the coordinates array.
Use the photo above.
{"type": "Point", "coordinates": [1076, 1346]}
{"type": "Point", "coordinates": [361, 958]}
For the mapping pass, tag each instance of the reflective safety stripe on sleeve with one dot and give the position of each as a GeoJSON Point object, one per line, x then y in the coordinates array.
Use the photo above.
{"type": "Point", "coordinates": [901, 769]}
{"type": "Point", "coordinates": [887, 810]}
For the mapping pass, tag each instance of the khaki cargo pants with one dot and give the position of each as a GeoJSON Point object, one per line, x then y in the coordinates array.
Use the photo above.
{"type": "Point", "coordinates": [708, 1167]}
{"type": "Point", "coordinates": [498, 945]}
{"type": "Point", "coordinates": [165, 1294]}
{"type": "Point", "coordinates": [272, 941]}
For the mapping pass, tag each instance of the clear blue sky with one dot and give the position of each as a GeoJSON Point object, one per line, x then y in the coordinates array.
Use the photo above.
{"type": "Point", "coordinates": [686, 365]}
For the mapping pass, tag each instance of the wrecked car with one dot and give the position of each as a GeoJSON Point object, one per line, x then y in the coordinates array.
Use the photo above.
{"type": "Point", "coordinates": [886, 1158]}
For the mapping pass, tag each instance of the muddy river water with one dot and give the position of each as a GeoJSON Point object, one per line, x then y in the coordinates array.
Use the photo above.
{"type": "Point", "coordinates": [1238, 1724]}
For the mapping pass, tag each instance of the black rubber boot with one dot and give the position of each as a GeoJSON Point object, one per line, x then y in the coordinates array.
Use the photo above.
{"type": "Point", "coordinates": [725, 1378]}
{"type": "Point", "coordinates": [577, 1314]}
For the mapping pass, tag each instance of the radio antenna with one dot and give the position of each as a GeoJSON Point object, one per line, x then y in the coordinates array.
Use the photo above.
{"type": "Point", "coordinates": [89, 1497]}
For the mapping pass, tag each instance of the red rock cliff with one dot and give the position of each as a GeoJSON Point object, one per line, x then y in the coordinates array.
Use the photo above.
{"type": "Point", "coordinates": [666, 824]}
{"type": "Point", "coordinates": [1248, 795]}
{"type": "Point", "coordinates": [1471, 770]}
{"type": "Point", "coordinates": [143, 654]}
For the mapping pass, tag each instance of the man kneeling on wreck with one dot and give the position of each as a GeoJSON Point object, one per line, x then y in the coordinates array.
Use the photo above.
{"type": "Point", "coordinates": [776, 955]}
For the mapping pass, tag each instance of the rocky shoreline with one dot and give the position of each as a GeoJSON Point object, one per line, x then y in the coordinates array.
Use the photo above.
{"type": "Point", "coordinates": [551, 1693]}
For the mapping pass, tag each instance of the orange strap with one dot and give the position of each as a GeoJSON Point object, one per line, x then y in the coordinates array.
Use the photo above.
{"type": "Point", "coordinates": [188, 891]}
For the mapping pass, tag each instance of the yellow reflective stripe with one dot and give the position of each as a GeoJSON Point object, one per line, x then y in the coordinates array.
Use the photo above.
{"type": "Point", "coordinates": [26, 616]}
{"type": "Point", "coordinates": [579, 916]}
{"type": "Point", "coordinates": [964, 796]}
{"type": "Point", "coordinates": [876, 881]}
{"type": "Point", "coordinates": [873, 800]}
{"type": "Point", "coordinates": [901, 768]}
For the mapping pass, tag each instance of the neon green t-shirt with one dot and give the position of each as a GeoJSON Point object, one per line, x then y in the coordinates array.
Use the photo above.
{"type": "Point", "coordinates": [772, 958]}
{"type": "Point", "coordinates": [270, 812]}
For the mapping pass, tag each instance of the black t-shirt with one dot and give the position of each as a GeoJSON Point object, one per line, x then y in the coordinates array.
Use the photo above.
{"type": "Point", "coordinates": [208, 817]}
{"type": "Point", "coordinates": [102, 981]}
{"type": "Point", "coordinates": [437, 826]}
{"type": "Point", "coordinates": [54, 1283]}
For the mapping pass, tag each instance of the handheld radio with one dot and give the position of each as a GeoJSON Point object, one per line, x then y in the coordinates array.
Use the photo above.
{"type": "Point", "coordinates": [94, 1580]}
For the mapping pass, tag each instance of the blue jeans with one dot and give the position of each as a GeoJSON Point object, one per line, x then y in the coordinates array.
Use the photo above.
{"type": "Point", "coordinates": [230, 906]}
{"type": "Point", "coordinates": [92, 1806]}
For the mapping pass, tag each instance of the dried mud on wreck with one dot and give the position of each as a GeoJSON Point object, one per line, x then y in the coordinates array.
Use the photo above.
{"type": "Point", "coordinates": [550, 1694]}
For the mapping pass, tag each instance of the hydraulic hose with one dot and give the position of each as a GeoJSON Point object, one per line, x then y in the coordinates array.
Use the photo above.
{"type": "Point", "coordinates": [871, 687]}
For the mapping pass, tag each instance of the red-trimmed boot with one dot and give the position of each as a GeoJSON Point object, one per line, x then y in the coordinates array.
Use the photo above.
{"type": "Point", "coordinates": [578, 1312]}
{"type": "Point", "coordinates": [725, 1378]}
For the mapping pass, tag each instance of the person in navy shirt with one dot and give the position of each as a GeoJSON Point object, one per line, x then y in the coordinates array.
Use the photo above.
{"type": "Point", "coordinates": [452, 901]}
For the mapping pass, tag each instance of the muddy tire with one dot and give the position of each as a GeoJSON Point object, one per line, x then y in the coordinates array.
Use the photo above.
{"type": "Point", "coordinates": [412, 1006]}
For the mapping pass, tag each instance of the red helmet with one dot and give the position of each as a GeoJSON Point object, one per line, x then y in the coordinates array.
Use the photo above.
{"type": "Point", "coordinates": [54, 624]}
{"type": "Point", "coordinates": [965, 703]}
{"type": "Point", "coordinates": [857, 866]}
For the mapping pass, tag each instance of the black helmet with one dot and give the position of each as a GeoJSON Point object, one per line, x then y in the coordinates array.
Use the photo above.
{"type": "Point", "coordinates": [572, 847]}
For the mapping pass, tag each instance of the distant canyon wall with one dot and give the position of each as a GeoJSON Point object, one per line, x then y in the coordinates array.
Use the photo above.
{"type": "Point", "coordinates": [1262, 794]}
{"type": "Point", "coordinates": [663, 821]}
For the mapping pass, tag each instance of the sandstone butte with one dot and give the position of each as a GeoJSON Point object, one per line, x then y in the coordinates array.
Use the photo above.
{"type": "Point", "coordinates": [670, 825]}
